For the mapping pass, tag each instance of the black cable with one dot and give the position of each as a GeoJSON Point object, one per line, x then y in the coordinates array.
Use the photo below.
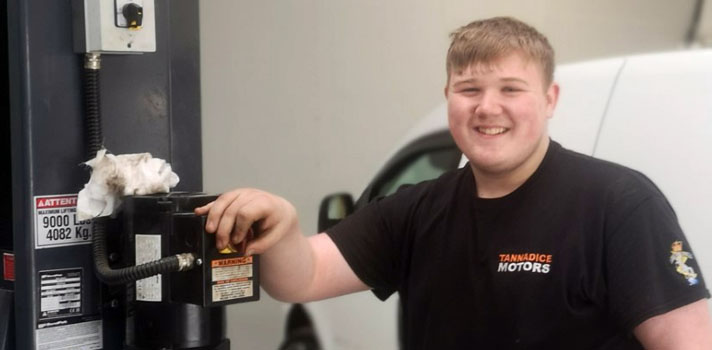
{"type": "Point", "coordinates": [128, 274]}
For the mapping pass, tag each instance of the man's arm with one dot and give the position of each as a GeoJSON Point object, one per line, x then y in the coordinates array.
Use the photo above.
{"type": "Point", "coordinates": [329, 275]}
{"type": "Point", "coordinates": [688, 327]}
{"type": "Point", "coordinates": [294, 268]}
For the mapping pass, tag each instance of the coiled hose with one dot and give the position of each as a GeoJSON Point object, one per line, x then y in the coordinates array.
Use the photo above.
{"type": "Point", "coordinates": [104, 272]}
{"type": "Point", "coordinates": [92, 105]}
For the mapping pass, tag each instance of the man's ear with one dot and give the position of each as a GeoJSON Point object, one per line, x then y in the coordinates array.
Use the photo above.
{"type": "Point", "coordinates": [552, 97]}
{"type": "Point", "coordinates": [445, 91]}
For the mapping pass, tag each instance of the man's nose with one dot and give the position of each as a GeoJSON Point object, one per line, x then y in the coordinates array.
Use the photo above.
{"type": "Point", "coordinates": [489, 104]}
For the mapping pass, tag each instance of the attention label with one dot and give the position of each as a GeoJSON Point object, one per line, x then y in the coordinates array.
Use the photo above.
{"type": "Point", "coordinates": [148, 248]}
{"type": "Point", "coordinates": [60, 293]}
{"type": "Point", "coordinates": [232, 278]}
{"type": "Point", "coordinates": [56, 223]}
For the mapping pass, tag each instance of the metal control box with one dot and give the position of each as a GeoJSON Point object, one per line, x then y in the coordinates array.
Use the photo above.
{"type": "Point", "coordinates": [114, 26]}
{"type": "Point", "coordinates": [158, 226]}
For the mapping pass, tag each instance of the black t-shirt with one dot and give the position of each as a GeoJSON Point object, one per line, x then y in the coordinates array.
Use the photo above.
{"type": "Point", "coordinates": [575, 258]}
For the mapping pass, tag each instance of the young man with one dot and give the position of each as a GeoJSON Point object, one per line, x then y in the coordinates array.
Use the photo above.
{"type": "Point", "coordinates": [530, 246]}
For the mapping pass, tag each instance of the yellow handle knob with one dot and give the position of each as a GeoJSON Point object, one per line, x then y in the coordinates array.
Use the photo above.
{"type": "Point", "coordinates": [229, 249]}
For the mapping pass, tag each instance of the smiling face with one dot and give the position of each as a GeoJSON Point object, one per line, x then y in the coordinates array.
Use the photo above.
{"type": "Point", "coordinates": [498, 115]}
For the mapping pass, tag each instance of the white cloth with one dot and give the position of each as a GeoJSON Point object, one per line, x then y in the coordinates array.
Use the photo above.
{"type": "Point", "coordinates": [114, 176]}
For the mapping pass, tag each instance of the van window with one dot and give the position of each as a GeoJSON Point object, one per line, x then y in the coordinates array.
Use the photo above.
{"type": "Point", "coordinates": [420, 167]}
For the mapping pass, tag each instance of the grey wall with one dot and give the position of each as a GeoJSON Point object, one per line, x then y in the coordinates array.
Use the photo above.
{"type": "Point", "coordinates": [704, 29]}
{"type": "Point", "coordinates": [304, 98]}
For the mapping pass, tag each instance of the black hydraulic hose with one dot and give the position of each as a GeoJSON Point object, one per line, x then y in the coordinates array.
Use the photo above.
{"type": "Point", "coordinates": [128, 274]}
{"type": "Point", "coordinates": [104, 272]}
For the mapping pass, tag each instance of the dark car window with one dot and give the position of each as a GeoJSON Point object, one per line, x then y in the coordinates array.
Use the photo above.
{"type": "Point", "coordinates": [420, 167]}
{"type": "Point", "coordinates": [423, 159]}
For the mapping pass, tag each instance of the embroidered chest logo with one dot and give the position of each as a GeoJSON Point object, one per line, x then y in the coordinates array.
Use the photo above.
{"type": "Point", "coordinates": [679, 257]}
{"type": "Point", "coordinates": [527, 262]}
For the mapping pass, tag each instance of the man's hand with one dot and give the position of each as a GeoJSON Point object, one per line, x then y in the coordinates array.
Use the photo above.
{"type": "Point", "coordinates": [293, 268]}
{"type": "Point", "coordinates": [234, 213]}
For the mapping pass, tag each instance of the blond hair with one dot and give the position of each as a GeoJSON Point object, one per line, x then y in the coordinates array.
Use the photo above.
{"type": "Point", "coordinates": [485, 41]}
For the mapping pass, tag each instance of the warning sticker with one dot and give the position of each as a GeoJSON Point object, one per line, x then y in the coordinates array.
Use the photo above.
{"type": "Point", "coordinates": [232, 278]}
{"type": "Point", "coordinates": [230, 269]}
{"type": "Point", "coordinates": [56, 223]}
{"type": "Point", "coordinates": [60, 293]}
{"type": "Point", "coordinates": [72, 333]}
{"type": "Point", "coordinates": [232, 289]}
{"type": "Point", "coordinates": [232, 261]}
{"type": "Point", "coordinates": [231, 272]}
{"type": "Point", "coordinates": [148, 248]}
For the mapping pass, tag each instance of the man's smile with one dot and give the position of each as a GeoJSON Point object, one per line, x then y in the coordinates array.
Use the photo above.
{"type": "Point", "coordinates": [497, 130]}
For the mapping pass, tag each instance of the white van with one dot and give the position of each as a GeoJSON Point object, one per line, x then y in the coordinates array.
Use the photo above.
{"type": "Point", "coordinates": [651, 112]}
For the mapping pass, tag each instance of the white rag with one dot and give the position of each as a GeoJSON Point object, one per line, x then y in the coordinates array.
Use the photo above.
{"type": "Point", "coordinates": [114, 176]}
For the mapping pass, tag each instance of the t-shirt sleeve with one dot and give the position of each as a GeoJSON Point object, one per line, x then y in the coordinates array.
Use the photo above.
{"type": "Point", "coordinates": [372, 239]}
{"type": "Point", "coordinates": [650, 267]}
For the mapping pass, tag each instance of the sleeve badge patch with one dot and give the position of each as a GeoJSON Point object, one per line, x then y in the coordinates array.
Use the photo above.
{"type": "Point", "coordinates": [679, 257]}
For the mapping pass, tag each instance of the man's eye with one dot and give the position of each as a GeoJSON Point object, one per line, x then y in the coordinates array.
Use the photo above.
{"type": "Point", "coordinates": [510, 89]}
{"type": "Point", "coordinates": [470, 90]}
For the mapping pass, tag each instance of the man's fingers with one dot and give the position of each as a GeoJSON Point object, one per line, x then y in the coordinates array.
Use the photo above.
{"type": "Point", "coordinates": [237, 218]}
{"type": "Point", "coordinates": [217, 208]}
{"type": "Point", "coordinates": [235, 213]}
{"type": "Point", "coordinates": [253, 210]}
{"type": "Point", "coordinates": [260, 244]}
{"type": "Point", "coordinates": [200, 211]}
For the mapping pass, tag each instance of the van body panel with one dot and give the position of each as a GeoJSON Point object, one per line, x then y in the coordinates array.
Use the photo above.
{"type": "Point", "coordinates": [585, 93]}
{"type": "Point", "coordinates": [660, 123]}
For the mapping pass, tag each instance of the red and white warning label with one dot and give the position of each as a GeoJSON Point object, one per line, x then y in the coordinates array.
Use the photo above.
{"type": "Point", "coordinates": [229, 269]}
{"type": "Point", "coordinates": [232, 278]}
{"type": "Point", "coordinates": [56, 222]}
{"type": "Point", "coordinates": [235, 289]}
